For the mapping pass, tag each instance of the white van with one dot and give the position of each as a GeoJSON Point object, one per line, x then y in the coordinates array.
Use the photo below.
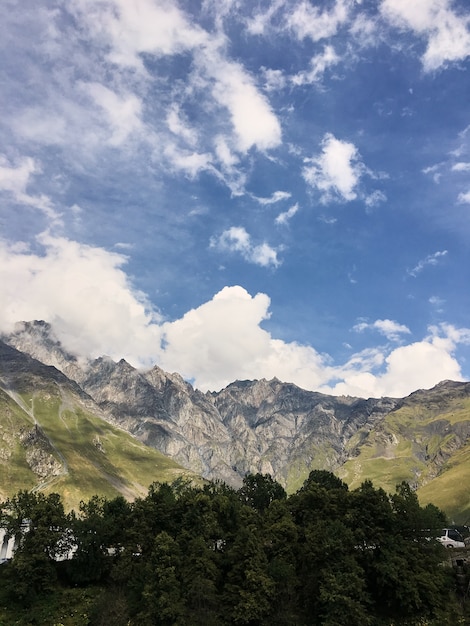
{"type": "Point", "coordinates": [451, 538]}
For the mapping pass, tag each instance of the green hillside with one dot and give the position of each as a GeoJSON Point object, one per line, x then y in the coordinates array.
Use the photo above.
{"type": "Point", "coordinates": [60, 446]}
{"type": "Point", "coordinates": [423, 442]}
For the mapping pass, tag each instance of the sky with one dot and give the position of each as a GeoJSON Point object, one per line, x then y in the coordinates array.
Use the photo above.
{"type": "Point", "coordinates": [241, 189]}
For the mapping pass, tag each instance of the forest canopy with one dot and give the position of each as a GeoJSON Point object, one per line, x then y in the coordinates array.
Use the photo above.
{"type": "Point", "coordinates": [212, 555]}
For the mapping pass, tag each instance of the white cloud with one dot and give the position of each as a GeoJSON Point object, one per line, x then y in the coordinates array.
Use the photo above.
{"type": "Point", "coordinates": [132, 28]}
{"type": "Point", "coordinates": [461, 167]}
{"type": "Point", "coordinates": [277, 196]}
{"type": "Point", "coordinates": [283, 218]}
{"type": "Point", "coordinates": [415, 366]}
{"type": "Point", "coordinates": [464, 198]}
{"type": "Point", "coordinates": [318, 65]}
{"type": "Point", "coordinates": [258, 24]}
{"type": "Point", "coordinates": [438, 303]}
{"type": "Point", "coordinates": [179, 126]}
{"type": "Point", "coordinates": [15, 181]}
{"type": "Point", "coordinates": [234, 115]}
{"type": "Point", "coordinates": [375, 198]}
{"type": "Point", "coordinates": [123, 112]}
{"type": "Point", "coordinates": [222, 341]}
{"type": "Point", "coordinates": [366, 31]}
{"type": "Point", "coordinates": [274, 79]}
{"type": "Point", "coordinates": [430, 260]}
{"type": "Point", "coordinates": [236, 239]}
{"type": "Point", "coordinates": [307, 21]}
{"type": "Point", "coordinates": [335, 172]}
{"type": "Point", "coordinates": [390, 329]}
{"type": "Point", "coordinates": [447, 33]}
{"type": "Point", "coordinates": [187, 161]}
{"type": "Point", "coordinates": [435, 171]}
{"type": "Point", "coordinates": [84, 293]}
{"type": "Point", "coordinates": [253, 120]}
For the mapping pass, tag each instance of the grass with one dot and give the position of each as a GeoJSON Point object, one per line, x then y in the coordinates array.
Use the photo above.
{"type": "Point", "coordinates": [97, 457]}
{"type": "Point", "coordinates": [450, 490]}
{"type": "Point", "coordinates": [403, 445]}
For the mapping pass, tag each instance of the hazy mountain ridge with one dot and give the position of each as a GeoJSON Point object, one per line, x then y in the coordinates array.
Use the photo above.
{"type": "Point", "coordinates": [270, 426]}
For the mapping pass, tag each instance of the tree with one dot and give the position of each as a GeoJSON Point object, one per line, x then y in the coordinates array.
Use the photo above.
{"type": "Point", "coordinates": [249, 590]}
{"type": "Point", "coordinates": [40, 527]}
{"type": "Point", "coordinates": [162, 601]}
{"type": "Point", "coordinates": [259, 490]}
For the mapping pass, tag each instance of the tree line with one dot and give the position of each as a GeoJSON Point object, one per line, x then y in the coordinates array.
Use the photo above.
{"type": "Point", "coordinates": [212, 555]}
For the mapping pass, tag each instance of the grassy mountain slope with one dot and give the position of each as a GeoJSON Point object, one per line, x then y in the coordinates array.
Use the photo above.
{"type": "Point", "coordinates": [52, 439]}
{"type": "Point", "coordinates": [425, 442]}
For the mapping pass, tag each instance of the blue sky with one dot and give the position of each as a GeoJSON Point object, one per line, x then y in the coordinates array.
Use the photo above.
{"type": "Point", "coordinates": [234, 189]}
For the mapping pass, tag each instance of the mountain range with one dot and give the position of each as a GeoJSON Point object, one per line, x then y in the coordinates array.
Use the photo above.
{"type": "Point", "coordinates": [62, 403]}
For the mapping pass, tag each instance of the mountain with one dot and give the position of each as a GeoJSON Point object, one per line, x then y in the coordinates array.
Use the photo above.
{"type": "Point", "coordinates": [277, 428]}
{"type": "Point", "coordinates": [54, 437]}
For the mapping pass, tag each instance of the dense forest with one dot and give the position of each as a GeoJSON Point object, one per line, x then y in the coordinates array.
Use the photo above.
{"type": "Point", "coordinates": [211, 555]}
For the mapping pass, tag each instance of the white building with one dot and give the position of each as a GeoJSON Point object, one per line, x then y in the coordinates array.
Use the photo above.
{"type": "Point", "coordinates": [7, 546]}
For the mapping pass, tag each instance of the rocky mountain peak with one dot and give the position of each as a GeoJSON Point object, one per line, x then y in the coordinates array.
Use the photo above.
{"type": "Point", "coordinates": [251, 426]}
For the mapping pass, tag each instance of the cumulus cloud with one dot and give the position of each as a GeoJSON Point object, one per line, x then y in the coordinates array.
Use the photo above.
{"type": "Point", "coordinates": [415, 366]}
{"type": "Point", "coordinates": [236, 239]}
{"type": "Point", "coordinates": [84, 292]}
{"type": "Point", "coordinates": [336, 171]}
{"type": "Point", "coordinates": [390, 329]}
{"type": "Point", "coordinates": [447, 33]}
{"type": "Point", "coordinates": [95, 310]}
{"type": "Point", "coordinates": [226, 331]}
{"type": "Point", "coordinates": [430, 260]}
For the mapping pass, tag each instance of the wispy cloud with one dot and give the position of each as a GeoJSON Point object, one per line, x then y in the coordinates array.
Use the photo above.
{"type": "Point", "coordinates": [438, 303]}
{"type": "Point", "coordinates": [286, 216]}
{"type": "Point", "coordinates": [277, 196]}
{"type": "Point", "coordinates": [464, 198]}
{"type": "Point", "coordinates": [318, 66]}
{"type": "Point", "coordinates": [15, 180]}
{"type": "Point", "coordinates": [431, 260]}
{"type": "Point", "coordinates": [461, 167]}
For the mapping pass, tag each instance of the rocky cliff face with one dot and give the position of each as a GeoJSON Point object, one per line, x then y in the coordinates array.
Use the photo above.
{"type": "Point", "coordinates": [250, 426]}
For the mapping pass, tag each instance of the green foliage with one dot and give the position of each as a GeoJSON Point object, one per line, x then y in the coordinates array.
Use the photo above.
{"type": "Point", "coordinates": [259, 490]}
{"type": "Point", "coordinates": [39, 524]}
{"type": "Point", "coordinates": [213, 556]}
